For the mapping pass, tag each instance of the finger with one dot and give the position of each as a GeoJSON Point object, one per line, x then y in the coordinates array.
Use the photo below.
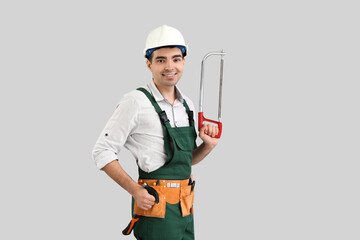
{"type": "Point", "coordinates": [214, 131]}
{"type": "Point", "coordinates": [208, 132]}
{"type": "Point", "coordinates": [145, 207]}
{"type": "Point", "coordinates": [211, 130]}
{"type": "Point", "coordinates": [204, 128]}
{"type": "Point", "coordinates": [147, 200]}
{"type": "Point", "coordinates": [150, 197]}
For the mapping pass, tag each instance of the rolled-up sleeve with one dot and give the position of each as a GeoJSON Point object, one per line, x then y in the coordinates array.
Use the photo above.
{"type": "Point", "coordinates": [116, 132]}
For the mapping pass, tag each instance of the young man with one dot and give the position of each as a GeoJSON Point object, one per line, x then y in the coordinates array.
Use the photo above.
{"type": "Point", "coordinates": [156, 124]}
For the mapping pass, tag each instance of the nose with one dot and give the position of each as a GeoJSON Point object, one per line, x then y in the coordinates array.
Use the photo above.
{"type": "Point", "coordinates": [169, 65]}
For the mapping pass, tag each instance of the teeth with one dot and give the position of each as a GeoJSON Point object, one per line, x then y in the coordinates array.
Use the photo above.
{"type": "Point", "coordinates": [169, 74]}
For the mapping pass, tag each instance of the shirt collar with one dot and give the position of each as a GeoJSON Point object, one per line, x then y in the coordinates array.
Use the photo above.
{"type": "Point", "coordinates": [159, 97]}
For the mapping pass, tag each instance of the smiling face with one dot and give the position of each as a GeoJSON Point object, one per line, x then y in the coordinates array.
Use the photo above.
{"type": "Point", "coordinates": [166, 66]}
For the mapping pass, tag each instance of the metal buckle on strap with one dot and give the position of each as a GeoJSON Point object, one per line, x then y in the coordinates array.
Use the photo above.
{"type": "Point", "coordinates": [172, 185]}
{"type": "Point", "coordinates": [164, 117]}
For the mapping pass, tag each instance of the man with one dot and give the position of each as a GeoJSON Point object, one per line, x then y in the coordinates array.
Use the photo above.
{"type": "Point", "coordinates": [156, 124]}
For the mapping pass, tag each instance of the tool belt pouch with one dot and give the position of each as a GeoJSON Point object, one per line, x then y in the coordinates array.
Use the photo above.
{"type": "Point", "coordinates": [157, 210]}
{"type": "Point", "coordinates": [186, 200]}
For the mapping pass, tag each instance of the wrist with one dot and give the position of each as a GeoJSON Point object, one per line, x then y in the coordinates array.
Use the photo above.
{"type": "Point", "coordinates": [208, 146]}
{"type": "Point", "coordinates": [134, 189]}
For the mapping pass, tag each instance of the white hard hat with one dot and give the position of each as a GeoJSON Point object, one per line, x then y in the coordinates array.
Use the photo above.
{"type": "Point", "coordinates": [164, 36]}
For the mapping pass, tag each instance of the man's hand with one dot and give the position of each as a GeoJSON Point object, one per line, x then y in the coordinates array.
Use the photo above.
{"type": "Point", "coordinates": [143, 199]}
{"type": "Point", "coordinates": [207, 134]}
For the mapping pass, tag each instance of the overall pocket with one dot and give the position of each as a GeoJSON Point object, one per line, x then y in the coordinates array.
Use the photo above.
{"type": "Point", "coordinates": [185, 143]}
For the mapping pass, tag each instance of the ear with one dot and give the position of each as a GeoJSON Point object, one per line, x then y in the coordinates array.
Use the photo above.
{"type": "Point", "coordinates": [148, 64]}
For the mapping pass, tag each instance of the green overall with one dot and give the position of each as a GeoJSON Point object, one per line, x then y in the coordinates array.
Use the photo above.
{"type": "Point", "coordinates": [179, 144]}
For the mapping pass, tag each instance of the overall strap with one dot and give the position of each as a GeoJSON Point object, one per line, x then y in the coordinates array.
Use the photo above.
{"type": "Point", "coordinates": [165, 122]}
{"type": "Point", "coordinates": [190, 114]}
{"type": "Point", "coordinates": [162, 114]}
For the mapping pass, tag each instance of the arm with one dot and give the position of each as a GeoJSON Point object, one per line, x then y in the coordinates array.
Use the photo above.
{"type": "Point", "coordinates": [107, 147]}
{"type": "Point", "coordinates": [207, 134]}
{"type": "Point", "coordinates": [142, 198]}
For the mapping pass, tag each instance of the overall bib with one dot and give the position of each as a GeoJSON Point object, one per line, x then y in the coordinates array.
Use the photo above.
{"type": "Point", "coordinates": [172, 217]}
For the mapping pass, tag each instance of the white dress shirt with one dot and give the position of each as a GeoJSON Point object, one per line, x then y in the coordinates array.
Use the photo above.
{"type": "Point", "coordinates": [136, 126]}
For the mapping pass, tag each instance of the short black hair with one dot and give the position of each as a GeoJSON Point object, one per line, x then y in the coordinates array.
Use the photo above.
{"type": "Point", "coordinates": [150, 57]}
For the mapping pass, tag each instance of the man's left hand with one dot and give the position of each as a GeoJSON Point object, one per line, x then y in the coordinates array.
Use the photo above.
{"type": "Point", "coordinates": [207, 134]}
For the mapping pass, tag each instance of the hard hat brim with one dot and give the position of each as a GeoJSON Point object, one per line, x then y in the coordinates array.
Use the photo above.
{"type": "Point", "coordinates": [149, 51]}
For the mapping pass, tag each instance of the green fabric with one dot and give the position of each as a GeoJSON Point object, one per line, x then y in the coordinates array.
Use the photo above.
{"type": "Point", "coordinates": [172, 227]}
{"type": "Point", "coordinates": [179, 144]}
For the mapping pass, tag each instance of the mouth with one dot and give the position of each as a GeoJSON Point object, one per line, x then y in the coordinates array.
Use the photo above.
{"type": "Point", "coordinates": [169, 75]}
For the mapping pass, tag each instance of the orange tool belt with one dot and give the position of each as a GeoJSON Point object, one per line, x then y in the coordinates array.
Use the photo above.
{"type": "Point", "coordinates": [169, 191]}
{"type": "Point", "coordinates": [172, 192]}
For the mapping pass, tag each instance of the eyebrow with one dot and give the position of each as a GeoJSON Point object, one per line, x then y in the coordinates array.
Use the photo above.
{"type": "Point", "coordinates": [176, 56]}
{"type": "Point", "coordinates": [162, 57]}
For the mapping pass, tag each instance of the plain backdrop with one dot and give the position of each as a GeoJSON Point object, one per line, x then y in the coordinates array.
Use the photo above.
{"type": "Point", "coordinates": [287, 165]}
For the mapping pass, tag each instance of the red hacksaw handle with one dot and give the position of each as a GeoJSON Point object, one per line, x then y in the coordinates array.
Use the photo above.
{"type": "Point", "coordinates": [203, 119]}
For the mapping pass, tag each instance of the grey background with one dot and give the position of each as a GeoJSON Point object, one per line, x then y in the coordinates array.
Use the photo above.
{"type": "Point", "coordinates": [287, 166]}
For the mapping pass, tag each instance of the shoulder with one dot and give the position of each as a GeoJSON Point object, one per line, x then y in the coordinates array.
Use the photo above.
{"type": "Point", "coordinates": [135, 97]}
{"type": "Point", "coordinates": [186, 98]}
{"type": "Point", "coordinates": [189, 102]}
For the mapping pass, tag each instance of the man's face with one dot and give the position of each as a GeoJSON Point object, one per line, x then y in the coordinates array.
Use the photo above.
{"type": "Point", "coordinates": [166, 66]}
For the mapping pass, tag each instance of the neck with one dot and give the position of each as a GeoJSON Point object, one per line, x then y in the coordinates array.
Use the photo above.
{"type": "Point", "coordinates": [168, 92]}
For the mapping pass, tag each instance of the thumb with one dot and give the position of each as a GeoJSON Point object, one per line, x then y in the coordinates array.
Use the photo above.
{"type": "Point", "coordinates": [203, 129]}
